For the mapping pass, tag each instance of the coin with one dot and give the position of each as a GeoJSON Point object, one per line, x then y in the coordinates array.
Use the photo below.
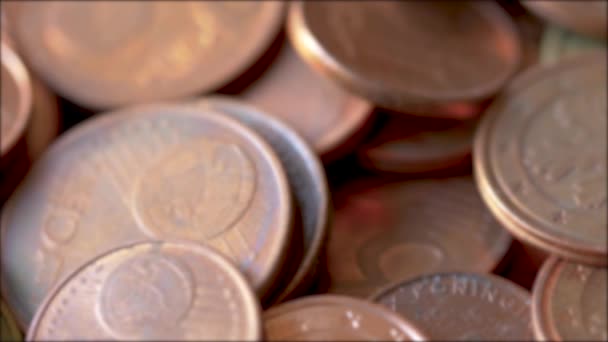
{"type": "Point", "coordinates": [414, 144]}
{"type": "Point", "coordinates": [384, 232]}
{"type": "Point", "coordinates": [539, 158]}
{"type": "Point", "coordinates": [152, 51]}
{"type": "Point", "coordinates": [45, 120]}
{"type": "Point", "coordinates": [557, 43]}
{"type": "Point", "coordinates": [387, 51]}
{"type": "Point", "coordinates": [146, 172]}
{"type": "Point", "coordinates": [8, 328]}
{"type": "Point", "coordinates": [584, 17]}
{"type": "Point", "coordinates": [569, 302]}
{"type": "Point", "coordinates": [336, 318]}
{"type": "Point", "coordinates": [462, 306]}
{"type": "Point", "coordinates": [326, 116]}
{"type": "Point", "coordinates": [307, 182]}
{"type": "Point", "coordinates": [151, 291]}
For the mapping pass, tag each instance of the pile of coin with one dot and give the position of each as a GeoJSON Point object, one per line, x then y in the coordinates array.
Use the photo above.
{"type": "Point", "coordinates": [267, 170]}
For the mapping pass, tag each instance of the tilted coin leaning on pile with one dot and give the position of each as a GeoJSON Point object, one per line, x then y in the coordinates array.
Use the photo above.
{"type": "Point", "coordinates": [320, 171]}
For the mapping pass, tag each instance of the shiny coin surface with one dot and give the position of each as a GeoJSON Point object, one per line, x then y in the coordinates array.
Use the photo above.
{"type": "Point", "coordinates": [409, 56]}
{"type": "Point", "coordinates": [558, 43]}
{"type": "Point", "coordinates": [336, 318]}
{"type": "Point", "coordinates": [462, 306]}
{"type": "Point", "coordinates": [152, 291]}
{"type": "Point", "coordinates": [146, 51]}
{"type": "Point", "coordinates": [8, 327]}
{"type": "Point", "coordinates": [414, 144]}
{"type": "Point", "coordinates": [569, 302]}
{"type": "Point", "coordinates": [325, 115]}
{"type": "Point", "coordinates": [307, 182]}
{"type": "Point", "coordinates": [540, 158]}
{"type": "Point", "coordinates": [147, 172]}
{"type": "Point", "coordinates": [584, 17]}
{"type": "Point", "coordinates": [391, 231]}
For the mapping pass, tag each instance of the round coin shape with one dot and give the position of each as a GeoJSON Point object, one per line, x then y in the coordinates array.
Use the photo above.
{"type": "Point", "coordinates": [558, 43]}
{"type": "Point", "coordinates": [306, 179]}
{"type": "Point", "coordinates": [569, 302]}
{"type": "Point", "coordinates": [149, 172]}
{"type": "Point", "coordinates": [383, 232]}
{"type": "Point", "coordinates": [336, 318]}
{"type": "Point", "coordinates": [462, 306]}
{"type": "Point", "coordinates": [147, 51]}
{"type": "Point", "coordinates": [8, 327]}
{"type": "Point", "coordinates": [409, 56]}
{"type": "Point", "coordinates": [151, 291]}
{"type": "Point", "coordinates": [539, 158]}
{"type": "Point", "coordinates": [326, 116]}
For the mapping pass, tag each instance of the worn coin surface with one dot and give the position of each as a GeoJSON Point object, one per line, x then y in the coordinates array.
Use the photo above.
{"type": "Point", "coordinates": [325, 115]}
{"type": "Point", "coordinates": [383, 232]}
{"type": "Point", "coordinates": [462, 306]}
{"type": "Point", "coordinates": [336, 318]}
{"type": "Point", "coordinates": [102, 54]}
{"type": "Point", "coordinates": [558, 43]}
{"type": "Point", "coordinates": [409, 56]}
{"type": "Point", "coordinates": [540, 158]}
{"type": "Point", "coordinates": [152, 291]}
{"type": "Point", "coordinates": [306, 179]}
{"type": "Point", "coordinates": [150, 172]}
{"type": "Point", "coordinates": [8, 327]}
{"type": "Point", "coordinates": [569, 302]}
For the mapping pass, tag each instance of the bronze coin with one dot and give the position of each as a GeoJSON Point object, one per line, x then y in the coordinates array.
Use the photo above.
{"type": "Point", "coordinates": [8, 327]}
{"type": "Point", "coordinates": [415, 144]}
{"type": "Point", "coordinates": [584, 17]}
{"type": "Point", "coordinates": [539, 158]}
{"type": "Point", "coordinates": [409, 56]}
{"type": "Point", "coordinates": [336, 318]}
{"type": "Point", "coordinates": [325, 115]}
{"type": "Point", "coordinates": [103, 54]}
{"type": "Point", "coordinates": [391, 231]}
{"type": "Point", "coordinates": [569, 302]}
{"type": "Point", "coordinates": [558, 43]}
{"type": "Point", "coordinates": [45, 120]}
{"type": "Point", "coordinates": [151, 291]}
{"type": "Point", "coordinates": [149, 172]}
{"type": "Point", "coordinates": [462, 306]}
{"type": "Point", "coordinates": [306, 179]}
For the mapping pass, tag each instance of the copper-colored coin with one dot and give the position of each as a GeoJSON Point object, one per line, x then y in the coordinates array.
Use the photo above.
{"type": "Point", "coordinates": [558, 43]}
{"type": "Point", "coordinates": [584, 17]}
{"type": "Point", "coordinates": [325, 115]}
{"type": "Point", "coordinates": [45, 121]}
{"type": "Point", "coordinates": [540, 162]}
{"type": "Point", "coordinates": [146, 172]}
{"type": "Point", "coordinates": [151, 291]}
{"type": "Point", "coordinates": [336, 318]}
{"type": "Point", "coordinates": [569, 302]}
{"type": "Point", "coordinates": [387, 232]}
{"type": "Point", "coordinates": [8, 327]}
{"type": "Point", "coordinates": [415, 144]}
{"type": "Point", "coordinates": [102, 54]}
{"type": "Point", "coordinates": [409, 56]}
{"type": "Point", "coordinates": [307, 182]}
{"type": "Point", "coordinates": [462, 306]}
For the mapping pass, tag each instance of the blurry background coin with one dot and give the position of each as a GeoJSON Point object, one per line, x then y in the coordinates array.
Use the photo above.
{"type": "Point", "coordinates": [336, 318]}
{"type": "Point", "coordinates": [409, 56]}
{"type": "Point", "coordinates": [308, 187]}
{"type": "Point", "coordinates": [8, 327]}
{"type": "Point", "coordinates": [146, 172]}
{"type": "Point", "coordinates": [569, 302]}
{"type": "Point", "coordinates": [462, 306]}
{"type": "Point", "coordinates": [104, 54]}
{"type": "Point", "coordinates": [540, 158]}
{"type": "Point", "coordinates": [558, 43]}
{"type": "Point", "coordinates": [151, 291]}
{"type": "Point", "coordinates": [384, 232]}
{"type": "Point", "coordinates": [585, 17]}
{"type": "Point", "coordinates": [324, 114]}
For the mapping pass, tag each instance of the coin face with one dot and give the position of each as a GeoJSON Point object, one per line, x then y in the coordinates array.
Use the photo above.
{"type": "Point", "coordinates": [8, 327]}
{"type": "Point", "coordinates": [342, 319]}
{"type": "Point", "coordinates": [569, 302]}
{"type": "Point", "coordinates": [152, 291]}
{"type": "Point", "coordinates": [153, 172]}
{"type": "Point", "coordinates": [384, 232]}
{"type": "Point", "coordinates": [558, 43]}
{"type": "Point", "coordinates": [306, 179]}
{"type": "Point", "coordinates": [387, 51]}
{"type": "Point", "coordinates": [160, 50]}
{"type": "Point", "coordinates": [462, 306]}
{"type": "Point", "coordinates": [540, 158]}
{"type": "Point", "coordinates": [326, 116]}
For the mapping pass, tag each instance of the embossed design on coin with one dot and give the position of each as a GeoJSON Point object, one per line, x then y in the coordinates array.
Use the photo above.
{"type": "Point", "coordinates": [196, 192]}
